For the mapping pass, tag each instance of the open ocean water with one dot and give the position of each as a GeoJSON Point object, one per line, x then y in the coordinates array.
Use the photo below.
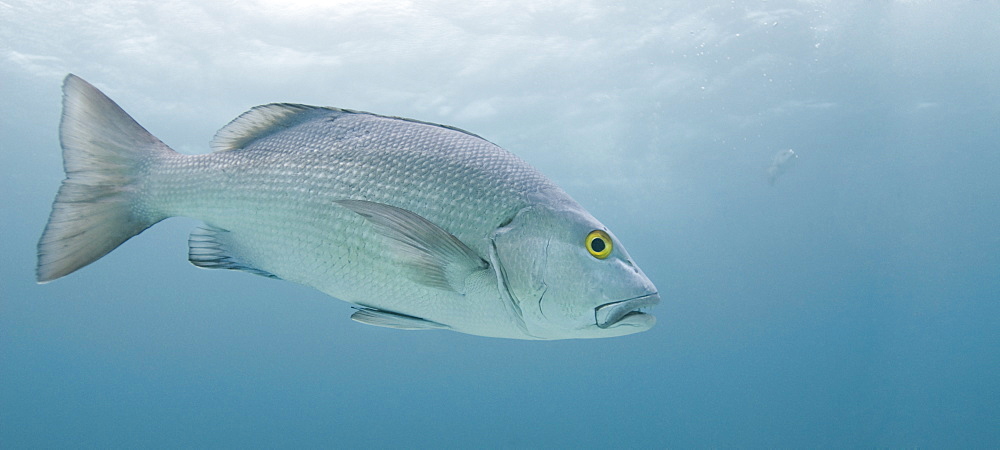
{"type": "Point", "coordinates": [849, 297]}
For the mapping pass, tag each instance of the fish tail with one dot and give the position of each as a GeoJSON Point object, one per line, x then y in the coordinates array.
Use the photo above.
{"type": "Point", "coordinates": [98, 206]}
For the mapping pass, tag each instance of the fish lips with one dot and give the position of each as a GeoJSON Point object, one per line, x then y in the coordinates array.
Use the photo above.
{"type": "Point", "coordinates": [626, 312]}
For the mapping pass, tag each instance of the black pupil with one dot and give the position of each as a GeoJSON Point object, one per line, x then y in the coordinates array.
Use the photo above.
{"type": "Point", "coordinates": [598, 245]}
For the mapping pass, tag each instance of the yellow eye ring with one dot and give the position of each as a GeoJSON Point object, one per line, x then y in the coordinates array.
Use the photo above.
{"type": "Point", "coordinates": [598, 243]}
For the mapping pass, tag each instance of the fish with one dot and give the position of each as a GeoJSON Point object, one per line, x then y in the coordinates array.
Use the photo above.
{"type": "Point", "coordinates": [419, 226]}
{"type": "Point", "coordinates": [780, 163]}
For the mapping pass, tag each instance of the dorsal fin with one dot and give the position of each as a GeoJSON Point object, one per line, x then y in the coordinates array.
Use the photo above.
{"type": "Point", "coordinates": [259, 122]}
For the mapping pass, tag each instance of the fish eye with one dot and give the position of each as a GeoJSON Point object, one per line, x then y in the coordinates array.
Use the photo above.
{"type": "Point", "coordinates": [598, 243]}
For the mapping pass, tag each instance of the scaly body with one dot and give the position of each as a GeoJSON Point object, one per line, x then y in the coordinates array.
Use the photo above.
{"type": "Point", "coordinates": [397, 216]}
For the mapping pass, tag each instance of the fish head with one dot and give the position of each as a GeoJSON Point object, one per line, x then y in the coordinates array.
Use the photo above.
{"type": "Point", "coordinates": [569, 276]}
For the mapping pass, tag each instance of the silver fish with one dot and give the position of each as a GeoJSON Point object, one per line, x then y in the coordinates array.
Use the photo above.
{"type": "Point", "coordinates": [780, 163]}
{"type": "Point", "coordinates": [421, 226]}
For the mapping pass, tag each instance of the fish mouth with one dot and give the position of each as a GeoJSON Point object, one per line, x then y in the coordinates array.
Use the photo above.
{"type": "Point", "coordinates": [626, 312]}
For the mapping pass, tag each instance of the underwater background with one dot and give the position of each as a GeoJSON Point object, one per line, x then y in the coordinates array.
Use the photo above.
{"type": "Point", "coordinates": [848, 296]}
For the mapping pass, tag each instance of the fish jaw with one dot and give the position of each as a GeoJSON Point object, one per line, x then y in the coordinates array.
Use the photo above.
{"type": "Point", "coordinates": [626, 312]}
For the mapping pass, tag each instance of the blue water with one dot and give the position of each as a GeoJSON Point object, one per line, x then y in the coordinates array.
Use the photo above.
{"type": "Point", "coordinates": [852, 303]}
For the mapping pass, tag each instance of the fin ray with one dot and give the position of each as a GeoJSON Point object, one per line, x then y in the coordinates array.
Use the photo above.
{"type": "Point", "coordinates": [387, 319]}
{"type": "Point", "coordinates": [214, 248]}
{"type": "Point", "coordinates": [436, 258]}
{"type": "Point", "coordinates": [94, 211]}
{"type": "Point", "coordinates": [260, 121]}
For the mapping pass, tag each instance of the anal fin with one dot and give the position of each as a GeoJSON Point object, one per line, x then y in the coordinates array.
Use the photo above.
{"type": "Point", "coordinates": [213, 248]}
{"type": "Point", "coordinates": [388, 319]}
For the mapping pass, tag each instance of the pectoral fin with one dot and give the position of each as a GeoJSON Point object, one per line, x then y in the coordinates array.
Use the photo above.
{"type": "Point", "coordinates": [388, 319]}
{"type": "Point", "coordinates": [435, 257]}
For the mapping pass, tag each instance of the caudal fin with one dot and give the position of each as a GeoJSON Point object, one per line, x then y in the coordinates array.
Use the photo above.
{"type": "Point", "coordinates": [95, 210]}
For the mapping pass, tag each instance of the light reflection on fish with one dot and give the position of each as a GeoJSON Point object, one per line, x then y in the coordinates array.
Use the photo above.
{"type": "Point", "coordinates": [422, 226]}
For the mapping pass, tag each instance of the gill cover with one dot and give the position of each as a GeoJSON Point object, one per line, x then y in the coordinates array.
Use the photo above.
{"type": "Point", "coordinates": [519, 259]}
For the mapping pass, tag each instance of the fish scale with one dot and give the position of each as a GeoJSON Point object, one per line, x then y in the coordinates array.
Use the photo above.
{"type": "Point", "coordinates": [422, 226]}
{"type": "Point", "coordinates": [375, 166]}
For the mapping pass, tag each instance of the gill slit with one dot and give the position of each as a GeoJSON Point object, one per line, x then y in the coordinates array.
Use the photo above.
{"type": "Point", "coordinates": [503, 286]}
{"type": "Point", "coordinates": [545, 287]}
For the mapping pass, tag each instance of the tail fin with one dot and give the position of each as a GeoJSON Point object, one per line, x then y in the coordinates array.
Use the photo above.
{"type": "Point", "coordinates": [95, 210]}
